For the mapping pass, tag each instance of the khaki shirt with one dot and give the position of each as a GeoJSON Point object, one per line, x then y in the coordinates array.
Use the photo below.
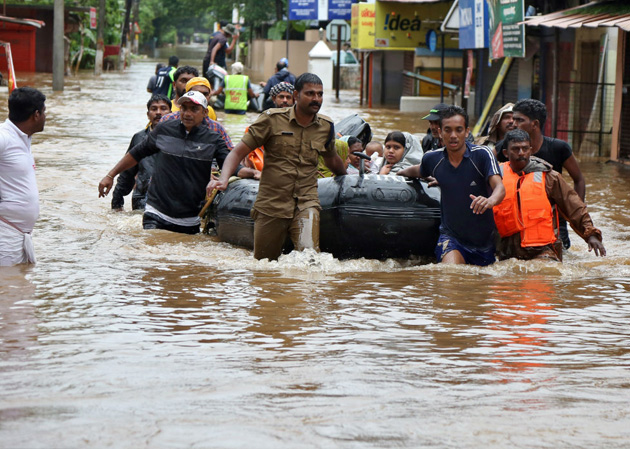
{"type": "Point", "coordinates": [289, 179]}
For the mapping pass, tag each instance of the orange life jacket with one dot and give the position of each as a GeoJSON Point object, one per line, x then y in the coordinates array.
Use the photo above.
{"type": "Point", "coordinates": [257, 156]}
{"type": "Point", "coordinates": [525, 209]}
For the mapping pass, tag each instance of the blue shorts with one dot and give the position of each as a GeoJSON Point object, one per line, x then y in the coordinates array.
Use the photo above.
{"type": "Point", "coordinates": [446, 244]}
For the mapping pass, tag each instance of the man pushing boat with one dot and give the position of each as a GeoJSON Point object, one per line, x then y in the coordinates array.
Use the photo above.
{"type": "Point", "coordinates": [471, 186]}
{"type": "Point", "coordinates": [185, 150]}
{"type": "Point", "coordinates": [287, 201]}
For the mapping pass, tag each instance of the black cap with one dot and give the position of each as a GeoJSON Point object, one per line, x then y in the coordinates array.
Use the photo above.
{"type": "Point", "coordinates": [435, 113]}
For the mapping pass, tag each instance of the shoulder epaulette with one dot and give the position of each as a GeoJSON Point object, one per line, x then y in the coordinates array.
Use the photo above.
{"type": "Point", "coordinates": [274, 111]}
{"type": "Point", "coordinates": [325, 117]}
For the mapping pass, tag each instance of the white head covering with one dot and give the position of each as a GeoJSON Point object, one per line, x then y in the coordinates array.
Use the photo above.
{"type": "Point", "coordinates": [237, 68]}
{"type": "Point", "coordinates": [411, 156]}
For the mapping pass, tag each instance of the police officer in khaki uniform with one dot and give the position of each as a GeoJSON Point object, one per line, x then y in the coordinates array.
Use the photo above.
{"type": "Point", "coordinates": [287, 201]}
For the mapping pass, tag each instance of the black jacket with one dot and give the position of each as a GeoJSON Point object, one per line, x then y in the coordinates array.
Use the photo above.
{"type": "Point", "coordinates": [183, 166]}
{"type": "Point", "coordinates": [138, 175]}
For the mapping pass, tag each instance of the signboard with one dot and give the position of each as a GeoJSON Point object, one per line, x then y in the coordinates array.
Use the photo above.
{"type": "Point", "coordinates": [343, 30]}
{"type": "Point", "coordinates": [507, 37]}
{"type": "Point", "coordinates": [401, 26]}
{"type": "Point", "coordinates": [363, 30]}
{"type": "Point", "coordinates": [431, 39]}
{"type": "Point", "coordinates": [92, 18]}
{"type": "Point", "coordinates": [320, 9]}
{"type": "Point", "coordinates": [473, 24]}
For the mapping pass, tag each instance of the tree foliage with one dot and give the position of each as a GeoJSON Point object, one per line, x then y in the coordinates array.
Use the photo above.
{"type": "Point", "coordinates": [169, 21]}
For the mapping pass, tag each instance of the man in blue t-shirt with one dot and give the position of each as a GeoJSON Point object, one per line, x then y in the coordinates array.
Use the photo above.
{"type": "Point", "coordinates": [471, 185]}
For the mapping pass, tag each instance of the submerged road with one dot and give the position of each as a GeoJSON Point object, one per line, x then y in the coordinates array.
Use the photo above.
{"type": "Point", "coordinates": [131, 339]}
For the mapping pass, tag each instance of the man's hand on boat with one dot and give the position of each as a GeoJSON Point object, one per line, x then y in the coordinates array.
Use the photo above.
{"type": "Point", "coordinates": [414, 172]}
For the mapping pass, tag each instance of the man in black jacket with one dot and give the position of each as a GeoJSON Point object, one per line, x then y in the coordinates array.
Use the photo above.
{"type": "Point", "coordinates": [140, 174]}
{"type": "Point", "coordinates": [184, 153]}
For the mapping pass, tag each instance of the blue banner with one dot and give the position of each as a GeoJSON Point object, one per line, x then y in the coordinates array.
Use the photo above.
{"type": "Point", "coordinates": [473, 24]}
{"type": "Point", "coordinates": [340, 9]}
{"type": "Point", "coordinates": [303, 10]}
{"type": "Point", "coordinates": [320, 9]}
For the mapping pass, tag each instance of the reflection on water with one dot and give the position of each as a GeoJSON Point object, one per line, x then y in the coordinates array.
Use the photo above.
{"type": "Point", "coordinates": [121, 337]}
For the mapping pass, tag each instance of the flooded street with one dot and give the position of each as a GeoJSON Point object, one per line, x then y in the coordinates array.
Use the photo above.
{"type": "Point", "coordinates": [126, 338]}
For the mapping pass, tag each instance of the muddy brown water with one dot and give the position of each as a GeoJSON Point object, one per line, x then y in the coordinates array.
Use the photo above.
{"type": "Point", "coordinates": [131, 339]}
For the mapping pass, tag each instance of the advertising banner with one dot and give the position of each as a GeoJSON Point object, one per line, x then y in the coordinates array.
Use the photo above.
{"type": "Point", "coordinates": [401, 26]}
{"type": "Point", "coordinates": [473, 24]}
{"type": "Point", "coordinates": [303, 9]}
{"type": "Point", "coordinates": [93, 18]}
{"type": "Point", "coordinates": [507, 37]}
{"type": "Point", "coordinates": [320, 9]}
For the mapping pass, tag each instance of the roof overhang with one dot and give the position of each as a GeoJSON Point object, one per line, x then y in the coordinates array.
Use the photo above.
{"type": "Point", "coordinates": [592, 15]}
{"type": "Point", "coordinates": [28, 22]}
{"type": "Point", "coordinates": [411, 1]}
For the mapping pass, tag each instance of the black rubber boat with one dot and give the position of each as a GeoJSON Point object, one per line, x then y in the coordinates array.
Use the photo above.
{"type": "Point", "coordinates": [371, 216]}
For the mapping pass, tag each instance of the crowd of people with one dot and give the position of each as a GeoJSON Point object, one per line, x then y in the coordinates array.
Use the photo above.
{"type": "Point", "coordinates": [502, 195]}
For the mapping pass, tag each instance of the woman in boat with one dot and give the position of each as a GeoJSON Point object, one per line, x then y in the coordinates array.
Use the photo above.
{"type": "Point", "coordinates": [402, 150]}
{"type": "Point", "coordinates": [354, 145]}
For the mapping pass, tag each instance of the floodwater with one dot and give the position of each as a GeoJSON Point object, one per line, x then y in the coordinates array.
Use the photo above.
{"type": "Point", "coordinates": [126, 338]}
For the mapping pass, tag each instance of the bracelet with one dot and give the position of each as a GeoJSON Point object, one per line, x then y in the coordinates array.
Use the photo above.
{"type": "Point", "coordinates": [109, 176]}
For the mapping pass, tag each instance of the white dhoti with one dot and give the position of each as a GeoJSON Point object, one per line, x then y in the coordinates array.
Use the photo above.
{"type": "Point", "coordinates": [15, 246]}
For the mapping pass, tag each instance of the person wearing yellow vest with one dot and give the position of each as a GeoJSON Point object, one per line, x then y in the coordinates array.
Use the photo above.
{"type": "Point", "coordinates": [199, 84]}
{"type": "Point", "coordinates": [238, 90]}
{"type": "Point", "coordinates": [527, 218]}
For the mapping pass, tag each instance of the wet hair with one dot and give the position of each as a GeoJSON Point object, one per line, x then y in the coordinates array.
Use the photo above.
{"type": "Point", "coordinates": [516, 135]}
{"type": "Point", "coordinates": [185, 69]}
{"type": "Point", "coordinates": [23, 102]}
{"type": "Point", "coordinates": [534, 109]}
{"type": "Point", "coordinates": [173, 61]}
{"type": "Point", "coordinates": [396, 136]}
{"type": "Point", "coordinates": [156, 98]}
{"type": "Point", "coordinates": [352, 140]}
{"type": "Point", "coordinates": [452, 111]}
{"type": "Point", "coordinates": [307, 78]}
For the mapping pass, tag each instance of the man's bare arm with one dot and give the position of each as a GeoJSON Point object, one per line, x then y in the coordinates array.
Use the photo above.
{"type": "Point", "coordinates": [108, 181]}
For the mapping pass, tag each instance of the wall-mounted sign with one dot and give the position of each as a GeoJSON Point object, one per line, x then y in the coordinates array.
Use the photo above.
{"type": "Point", "coordinates": [431, 39]}
{"type": "Point", "coordinates": [405, 25]}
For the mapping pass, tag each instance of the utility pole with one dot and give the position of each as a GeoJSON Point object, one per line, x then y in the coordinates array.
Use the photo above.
{"type": "Point", "coordinates": [58, 45]}
{"type": "Point", "coordinates": [100, 40]}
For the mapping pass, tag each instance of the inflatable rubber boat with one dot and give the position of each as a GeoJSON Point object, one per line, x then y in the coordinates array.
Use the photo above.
{"type": "Point", "coordinates": [371, 216]}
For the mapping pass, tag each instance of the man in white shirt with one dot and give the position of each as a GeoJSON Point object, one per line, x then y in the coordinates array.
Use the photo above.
{"type": "Point", "coordinates": [19, 198]}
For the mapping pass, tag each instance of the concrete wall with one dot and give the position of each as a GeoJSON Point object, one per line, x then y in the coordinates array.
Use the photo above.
{"type": "Point", "coordinates": [264, 54]}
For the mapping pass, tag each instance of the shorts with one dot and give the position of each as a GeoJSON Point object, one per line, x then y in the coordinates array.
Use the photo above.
{"type": "Point", "coordinates": [472, 256]}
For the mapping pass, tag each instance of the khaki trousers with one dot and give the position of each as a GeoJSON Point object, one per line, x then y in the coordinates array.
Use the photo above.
{"type": "Point", "coordinates": [270, 233]}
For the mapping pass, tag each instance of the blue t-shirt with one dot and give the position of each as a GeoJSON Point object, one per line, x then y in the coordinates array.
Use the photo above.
{"type": "Point", "coordinates": [457, 184]}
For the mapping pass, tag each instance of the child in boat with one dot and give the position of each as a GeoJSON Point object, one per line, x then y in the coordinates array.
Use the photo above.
{"type": "Point", "coordinates": [353, 161]}
{"type": "Point", "coordinates": [374, 149]}
{"type": "Point", "coordinates": [402, 150]}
